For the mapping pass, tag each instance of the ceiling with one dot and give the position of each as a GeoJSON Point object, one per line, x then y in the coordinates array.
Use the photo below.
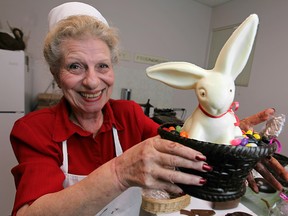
{"type": "Point", "coordinates": [212, 3]}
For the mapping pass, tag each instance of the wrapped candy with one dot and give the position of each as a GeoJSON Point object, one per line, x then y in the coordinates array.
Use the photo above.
{"type": "Point", "coordinates": [273, 126]}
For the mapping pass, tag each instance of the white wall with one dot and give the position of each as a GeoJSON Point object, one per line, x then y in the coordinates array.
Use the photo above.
{"type": "Point", "coordinates": [268, 82]}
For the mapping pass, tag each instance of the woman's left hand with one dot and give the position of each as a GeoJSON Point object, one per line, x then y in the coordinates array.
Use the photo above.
{"type": "Point", "coordinates": [249, 123]}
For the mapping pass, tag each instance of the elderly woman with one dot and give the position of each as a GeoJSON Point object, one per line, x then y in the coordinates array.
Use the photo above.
{"type": "Point", "coordinates": [90, 154]}
{"type": "Point", "coordinates": [67, 154]}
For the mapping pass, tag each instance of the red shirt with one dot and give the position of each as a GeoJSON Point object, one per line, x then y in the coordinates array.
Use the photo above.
{"type": "Point", "coordinates": [37, 143]}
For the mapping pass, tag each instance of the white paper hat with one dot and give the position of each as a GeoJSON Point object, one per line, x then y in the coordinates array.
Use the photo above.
{"type": "Point", "coordinates": [73, 8]}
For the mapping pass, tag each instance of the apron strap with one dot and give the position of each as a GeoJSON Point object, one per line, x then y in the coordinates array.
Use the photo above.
{"type": "Point", "coordinates": [117, 144]}
{"type": "Point", "coordinates": [64, 166]}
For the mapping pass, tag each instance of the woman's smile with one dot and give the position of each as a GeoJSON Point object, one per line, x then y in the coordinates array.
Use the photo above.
{"type": "Point", "coordinates": [90, 96]}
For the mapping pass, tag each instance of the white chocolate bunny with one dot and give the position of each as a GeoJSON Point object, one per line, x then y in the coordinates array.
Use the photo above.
{"type": "Point", "coordinates": [213, 120]}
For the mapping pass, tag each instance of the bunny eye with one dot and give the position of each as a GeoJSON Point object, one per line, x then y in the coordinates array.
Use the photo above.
{"type": "Point", "coordinates": [202, 92]}
{"type": "Point", "coordinates": [231, 90]}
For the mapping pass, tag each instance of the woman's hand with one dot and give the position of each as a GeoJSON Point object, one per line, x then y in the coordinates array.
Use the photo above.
{"type": "Point", "coordinates": [270, 161]}
{"type": "Point", "coordinates": [151, 164]}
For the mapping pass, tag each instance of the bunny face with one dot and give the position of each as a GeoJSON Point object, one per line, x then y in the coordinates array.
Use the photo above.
{"type": "Point", "coordinates": [215, 93]}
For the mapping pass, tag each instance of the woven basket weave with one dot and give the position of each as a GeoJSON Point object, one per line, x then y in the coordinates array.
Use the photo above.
{"type": "Point", "coordinates": [165, 205]}
{"type": "Point", "coordinates": [231, 166]}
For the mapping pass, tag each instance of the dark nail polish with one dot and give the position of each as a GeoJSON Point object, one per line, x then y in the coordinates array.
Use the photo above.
{"type": "Point", "coordinates": [202, 181]}
{"type": "Point", "coordinates": [200, 158]}
{"type": "Point", "coordinates": [206, 167]}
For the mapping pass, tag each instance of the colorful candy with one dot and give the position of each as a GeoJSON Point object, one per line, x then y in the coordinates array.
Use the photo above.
{"type": "Point", "coordinates": [251, 145]}
{"type": "Point", "coordinates": [171, 128]}
{"type": "Point", "coordinates": [177, 131]}
{"type": "Point", "coordinates": [250, 138]}
{"type": "Point", "coordinates": [178, 128]}
{"type": "Point", "coordinates": [257, 136]}
{"type": "Point", "coordinates": [184, 134]}
{"type": "Point", "coordinates": [236, 141]}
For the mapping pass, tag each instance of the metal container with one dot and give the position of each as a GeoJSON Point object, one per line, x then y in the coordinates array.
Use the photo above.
{"type": "Point", "coordinates": [126, 93]}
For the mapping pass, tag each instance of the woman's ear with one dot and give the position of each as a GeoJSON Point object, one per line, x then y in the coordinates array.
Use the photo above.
{"type": "Point", "coordinates": [55, 75]}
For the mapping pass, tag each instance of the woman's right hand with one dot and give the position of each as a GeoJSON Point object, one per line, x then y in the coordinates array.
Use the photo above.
{"type": "Point", "coordinates": [151, 164]}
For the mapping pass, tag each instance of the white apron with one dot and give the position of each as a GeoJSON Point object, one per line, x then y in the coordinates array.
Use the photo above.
{"type": "Point", "coordinates": [127, 203]}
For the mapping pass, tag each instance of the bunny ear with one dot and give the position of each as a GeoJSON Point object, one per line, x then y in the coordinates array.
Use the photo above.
{"type": "Point", "coordinates": [180, 75]}
{"type": "Point", "coordinates": [235, 53]}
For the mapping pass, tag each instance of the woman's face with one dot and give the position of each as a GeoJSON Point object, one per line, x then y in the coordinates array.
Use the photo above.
{"type": "Point", "coordinates": [86, 75]}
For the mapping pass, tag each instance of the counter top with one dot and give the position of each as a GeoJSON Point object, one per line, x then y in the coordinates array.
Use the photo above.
{"type": "Point", "coordinates": [202, 204]}
{"type": "Point", "coordinates": [251, 203]}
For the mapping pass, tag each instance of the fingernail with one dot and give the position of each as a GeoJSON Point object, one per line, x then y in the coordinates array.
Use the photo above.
{"type": "Point", "coordinates": [202, 181]}
{"type": "Point", "coordinates": [200, 158]}
{"type": "Point", "coordinates": [206, 167]}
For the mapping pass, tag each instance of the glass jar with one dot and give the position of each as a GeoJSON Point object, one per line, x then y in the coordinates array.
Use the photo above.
{"type": "Point", "coordinates": [280, 208]}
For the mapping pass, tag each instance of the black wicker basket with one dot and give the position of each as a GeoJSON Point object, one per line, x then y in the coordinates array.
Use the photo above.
{"type": "Point", "coordinates": [231, 166]}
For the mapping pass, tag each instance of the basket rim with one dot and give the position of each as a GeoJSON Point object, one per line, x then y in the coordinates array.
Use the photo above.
{"type": "Point", "coordinates": [166, 201]}
{"type": "Point", "coordinates": [184, 140]}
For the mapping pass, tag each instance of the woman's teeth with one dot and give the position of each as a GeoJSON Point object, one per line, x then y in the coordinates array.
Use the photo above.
{"type": "Point", "coordinates": [86, 95]}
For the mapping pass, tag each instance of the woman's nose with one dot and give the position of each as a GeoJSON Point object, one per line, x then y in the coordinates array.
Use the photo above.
{"type": "Point", "coordinates": [91, 79]}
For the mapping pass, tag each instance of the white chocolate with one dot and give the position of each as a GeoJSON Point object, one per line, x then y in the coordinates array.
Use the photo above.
{"type": "Point", "coordinates": [215, 89]}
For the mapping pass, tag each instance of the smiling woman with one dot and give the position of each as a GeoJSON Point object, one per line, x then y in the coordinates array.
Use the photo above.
{"type": "Point", "coordinates": [89, 148]}
{"type": "Point", "coordinates": [89, 154]}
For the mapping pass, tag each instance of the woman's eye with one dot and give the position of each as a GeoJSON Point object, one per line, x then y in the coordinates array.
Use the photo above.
{"type": "Point", "coordinates": [103, 67]}
{"type": "Point", "coordinates": [76, 68]}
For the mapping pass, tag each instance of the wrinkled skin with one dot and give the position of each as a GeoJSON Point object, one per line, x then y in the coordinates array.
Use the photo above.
{"type": "Point", "coordinates": [149, 164]}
